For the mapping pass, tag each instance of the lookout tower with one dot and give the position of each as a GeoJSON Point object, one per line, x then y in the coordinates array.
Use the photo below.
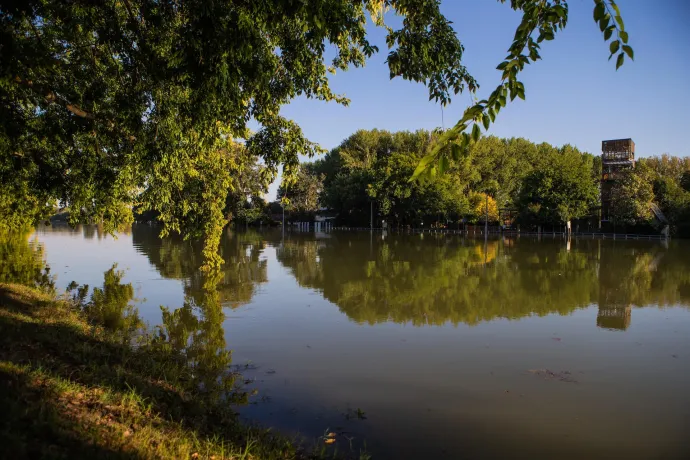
{"type": "Point", "coordinates": [617, 155]}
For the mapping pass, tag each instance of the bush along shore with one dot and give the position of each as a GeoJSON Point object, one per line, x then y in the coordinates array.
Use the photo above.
{"type": "Point", "coordinates": [79, 379]}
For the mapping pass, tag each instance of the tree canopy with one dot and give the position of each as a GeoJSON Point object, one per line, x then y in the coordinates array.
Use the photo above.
{"type": "Point", "coordinates": [560, 188]}
{"type": "Point", "coordinates": [303, 195]}
{"type": "Point", "coordinates": [373, 168]}
{"type": "Point", "coordinates": [107, 106]}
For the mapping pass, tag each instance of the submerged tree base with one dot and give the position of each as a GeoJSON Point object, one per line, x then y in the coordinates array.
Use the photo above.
{"type": "Point", "coordinates": [71, 389]}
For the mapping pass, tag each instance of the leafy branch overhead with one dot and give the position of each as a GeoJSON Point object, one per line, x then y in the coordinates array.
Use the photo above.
{"type": "Point", "coordinates": [540, 21]}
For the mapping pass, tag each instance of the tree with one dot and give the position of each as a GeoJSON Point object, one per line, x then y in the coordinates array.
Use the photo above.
{"type": "Point", "coordinates": [372, 168]}
{"type": "Point", "coordinates": [244, 199]}
{"type": "Point", "coordinates": [301, 195]}
{"type": "Point", "coordinates": [666, 165]}
{"type": "Point", "coordinates": [22, 261]}
{"type": "Point", "coordinates": [478, 205]}
{"type": "Point", "coordinates": [560, 188]}
{"type": "Point", "coordinates": [631, 199]}
{"type": "Point", "coordinates": [685, 180]}
{"type": "Point", "coordinates": [137, 102]}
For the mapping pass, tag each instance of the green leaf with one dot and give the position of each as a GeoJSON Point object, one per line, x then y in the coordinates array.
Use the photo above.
{"type": "Point", "coordinates": [476, 132]}
{"type": "Point", "coordinates": [604, 23]}
{"type": "Point", "coordinates": [423, 165]}
{"type": "Point", "coordinates": [608, 32]}
{"type": "Point", "coordinates": [443, 164]}
{"type": "Point", "coordinates": [465, 141]}
{"type": "Point", "coordinates": [624, 36]}
{"type": "Point", "coordinates": [599, 10]}
{"type": "Point", "coordinates": [619, 20]}
{"type": "Point", "coordinates": [615, 8]}
{"type": "Point", "coordinates": [456, 151]}
{"type": "Point", "coordinates": [619, 61]}
{"type": "Point", "coordinates": [471, 113]}
{"type": "Point", "coordinates": [629, 51]}
{"type": "Point", "coordinates": [486, 121]}
{"type": "Point", "coordinates": [614, 46]}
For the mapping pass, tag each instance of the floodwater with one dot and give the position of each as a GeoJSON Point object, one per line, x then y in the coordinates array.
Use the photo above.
{"type": "Point", "coordinates": [428, 346]}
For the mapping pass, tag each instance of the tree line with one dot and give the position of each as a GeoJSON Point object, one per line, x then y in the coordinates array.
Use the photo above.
{"type": "Point", "coordinates": [530, 184]}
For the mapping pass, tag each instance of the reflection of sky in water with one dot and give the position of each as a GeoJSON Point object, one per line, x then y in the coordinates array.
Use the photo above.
{"type": "Point", "coordinates": [449, 391]}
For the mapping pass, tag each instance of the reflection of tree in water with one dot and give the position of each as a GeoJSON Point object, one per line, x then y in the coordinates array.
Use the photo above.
{"type": "Point", "coordinates": [175, 258]}
{"type": "Point", "coordinates": [110, 305]}
{"type": "Point", "coordinates": [636, 274]}
{"type": "Point", "coordinates": [196, 329]}
{"type": "Point", "coordinates": [433, 280]}
{"type": "Point", "coordinates": [22, 261]}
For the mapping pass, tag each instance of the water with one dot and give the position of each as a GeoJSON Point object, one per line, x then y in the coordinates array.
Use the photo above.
{"type": "Point", "coordinates": [429, 346]}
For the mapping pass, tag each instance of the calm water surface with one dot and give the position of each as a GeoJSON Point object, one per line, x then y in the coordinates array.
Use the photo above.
{"type": "Point", "coordinates": [430, 346]}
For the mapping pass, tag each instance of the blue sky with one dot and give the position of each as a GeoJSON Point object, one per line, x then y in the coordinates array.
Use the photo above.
{"type": "Point", "coordinates": [574, 95]}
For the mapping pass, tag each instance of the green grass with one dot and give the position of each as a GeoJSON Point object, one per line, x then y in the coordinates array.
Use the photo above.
{"type": "Point", "coordinates": [73, 389]}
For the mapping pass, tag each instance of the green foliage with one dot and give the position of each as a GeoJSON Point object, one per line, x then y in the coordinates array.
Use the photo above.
{"type": "Point", "coordinates": [482, 204]}
{"type": "Point", "coordinates": [139, 102]}
{"type": "Point", "coordinates": [631, 199]}
{"type": "Point", "coordinates": [244, 201]}
{"type": "Point", "coordinates": [673, 200]}
{"type": "Point", "coordinates": [374, 166]}
{"type": "Point", "coordinates": [22, 261]}
{"type": "Point", "coordinates": [300, 193]}
{"type": "Point", "coordinates": [685, 180]}
{"type": "Point", "coordinates": [669, 177]}
{"type": "Point", "coordinates": [560, 188]}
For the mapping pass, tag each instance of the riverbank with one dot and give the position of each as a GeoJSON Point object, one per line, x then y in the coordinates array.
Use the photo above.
{"type": "Point", "coordinates": [70, 388]}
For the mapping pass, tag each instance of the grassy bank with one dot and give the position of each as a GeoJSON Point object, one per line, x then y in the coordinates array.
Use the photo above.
{"type": "Point", "coordinates": [70, 388]}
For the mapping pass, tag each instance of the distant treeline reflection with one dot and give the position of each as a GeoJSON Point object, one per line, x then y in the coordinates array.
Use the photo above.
{"type": "Point", "coordinates": [432, 279]}
{"type": "Point", "coordinates": [435, 279]}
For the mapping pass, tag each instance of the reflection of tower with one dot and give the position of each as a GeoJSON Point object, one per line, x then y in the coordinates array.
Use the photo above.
{"type": "Point", "coordinates": [616, 156]}
{"type": "Point", "coordinates": [614, 316]}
